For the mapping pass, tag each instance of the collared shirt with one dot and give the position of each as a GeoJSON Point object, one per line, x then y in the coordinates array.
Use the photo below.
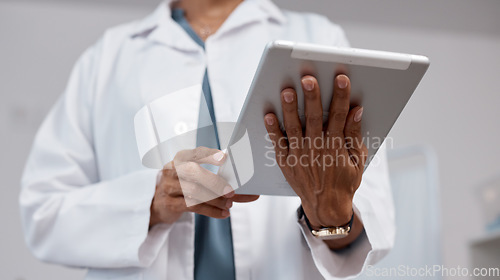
{"type": "Point", "coordinates": [85, 198]}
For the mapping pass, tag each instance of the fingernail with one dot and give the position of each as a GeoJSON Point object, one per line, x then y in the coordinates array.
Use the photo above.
{"type": "Point", "coordinates": [342, 81]}
{"type": "Point", "coordinates": [288, 96]}
{"type": "Point", "coordinates": [358, 115]}
{"type": "Point", "coordinates": [228, 192]}
{"type": "Point", "coordinates": [269, 120]}
{"type": "Point", "coordinates": [225, 213]}
{"type": "Point", "coordinates": [218, 156]}
{"type": "Point", "coordinates": [308, 83]}
{"type": "Point", "coordinates": [229, 204]}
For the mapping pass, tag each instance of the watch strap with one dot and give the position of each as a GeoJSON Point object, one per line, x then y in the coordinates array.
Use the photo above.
{"type": "Point", "coordinates": [347, 227]}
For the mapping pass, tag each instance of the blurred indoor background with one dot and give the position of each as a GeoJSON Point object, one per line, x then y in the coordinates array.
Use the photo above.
{"type": "Point", "coordinates": [454, 114]}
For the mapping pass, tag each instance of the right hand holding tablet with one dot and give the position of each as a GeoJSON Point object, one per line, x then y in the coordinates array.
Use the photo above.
{"type": "Point", "coordinates": [185, 186]}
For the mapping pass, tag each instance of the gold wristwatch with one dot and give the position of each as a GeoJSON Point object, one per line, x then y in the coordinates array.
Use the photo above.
{"type": "Point", "coordinates": [327, 233]}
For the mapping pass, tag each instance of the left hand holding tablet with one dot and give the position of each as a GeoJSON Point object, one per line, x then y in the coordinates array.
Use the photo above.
{"type": "Point", "coordinates": [323, 164]}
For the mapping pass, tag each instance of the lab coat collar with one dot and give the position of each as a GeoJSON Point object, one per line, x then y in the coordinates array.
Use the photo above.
{"type": "Point", "coordinates": [160, 27]}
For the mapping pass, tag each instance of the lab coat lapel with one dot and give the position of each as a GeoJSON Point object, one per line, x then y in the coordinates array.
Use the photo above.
{"type": "Point", "coordinates": [159, 27]}
{"type": "Point", "coordinates": [248, 12]}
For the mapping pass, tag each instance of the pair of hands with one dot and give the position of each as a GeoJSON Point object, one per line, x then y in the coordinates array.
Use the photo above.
{"type": "Point", "coordinates": [323, 165]}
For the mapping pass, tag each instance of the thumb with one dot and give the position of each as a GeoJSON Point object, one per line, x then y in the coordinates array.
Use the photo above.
{"type": "Point", "coordinates": [201, 155]}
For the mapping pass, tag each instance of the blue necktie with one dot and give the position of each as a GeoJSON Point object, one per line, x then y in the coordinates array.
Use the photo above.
{"type": "Point", "coordinates": [213, 251]}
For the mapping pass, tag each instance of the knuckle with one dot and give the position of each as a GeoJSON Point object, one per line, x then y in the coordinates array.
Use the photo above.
{"type": "Point", "coordinates": [180, 155]}
{"type": "Point", "coordinates": [212, 182]}
{"type": "Point", "coordinates": [339, 116]}
{"type": "Point", "coordinates": [199, 153]}
{"type": "Point", "coordinates": [168, 174]}
{"type": "Point", "coordinates": [354, 131]}
{"type": "Point", "coordinates": [340, 94]}
{"type": "Point", "coordinates": [167, 184]}
{"type": "Point", "coordinates": [293, 129]}
{"type": "Point", "coordinates": [173, 207]}
{"type": "Point", "coordinates": [168, 166]}
{"type": "Point", "coordinates": [190, 169]}
{"type": "Point", "coordinates": [337, 141]}
{"type": "Point", "coordinates": [220, 202]}
{"type": "Point", "coordinates": [171, 191]}
{"type": "Point", "coordinates": [314, 118]}
{"type": "Point", "coordinates": [161, 193]}
{"type": "Point", "coordinates": [294, 142]}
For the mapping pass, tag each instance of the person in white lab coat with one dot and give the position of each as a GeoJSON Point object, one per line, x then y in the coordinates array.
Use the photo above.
{"type": "Point", "coordinates": [86, 200]}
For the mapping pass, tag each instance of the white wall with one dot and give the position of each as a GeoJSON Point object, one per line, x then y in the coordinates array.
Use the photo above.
{"type": "Point", "coordinates": [454, 109]}
{"type": "Point", "coordinates": [39, 42]}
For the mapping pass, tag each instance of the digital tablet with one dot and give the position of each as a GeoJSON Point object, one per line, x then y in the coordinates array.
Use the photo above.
{"type": "Point", "coordinates": [381, 82]}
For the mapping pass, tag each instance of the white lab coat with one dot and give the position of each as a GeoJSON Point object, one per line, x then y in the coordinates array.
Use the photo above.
{"type": "Point", "coordinates": [86, 197]}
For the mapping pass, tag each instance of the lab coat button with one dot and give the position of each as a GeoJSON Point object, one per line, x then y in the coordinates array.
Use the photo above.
{"type": "Point", "coordinates": [180, 128]}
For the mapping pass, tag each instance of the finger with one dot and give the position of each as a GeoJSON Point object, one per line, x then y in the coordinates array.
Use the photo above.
{"type": "Point", "coordinates": [169, 165]}
{"type": "Point", "coordinates": [339, 108]}
{"type": "Point", "coordinates": [167, 171]}
{"type": "Point", "coordinates": [195, 193]}
{"type": "Point", "coordinates": [354, 137]}
{"type": "Point", "coordinates": [193, 172]}
{"type": "Point", "coordinates": [219, 202]}
{"type": "Point", "coordinates": [293, 126]}
{"type": "Point", "coordinates": [209, 210]}
{"type": "Point", "coordinates": [202, 155]}
{"type": "Point", "coordinates": [276, 136]}
{"type": "Point", "coordinates": [313, 107]}
{"type": "Point", "coordinates": [242, 198]}
{"type": "Point", "coordinates": [169, 181]}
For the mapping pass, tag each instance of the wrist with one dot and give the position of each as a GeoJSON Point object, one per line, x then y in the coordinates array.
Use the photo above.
{"type": "Point", "coordinates": [325, 218]}
{"type": "Point", "coordinates": [328, 233]}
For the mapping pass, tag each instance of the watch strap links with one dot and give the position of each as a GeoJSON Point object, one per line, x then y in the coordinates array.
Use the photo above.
{"type": "Point", "coordinates": [326, 232]}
